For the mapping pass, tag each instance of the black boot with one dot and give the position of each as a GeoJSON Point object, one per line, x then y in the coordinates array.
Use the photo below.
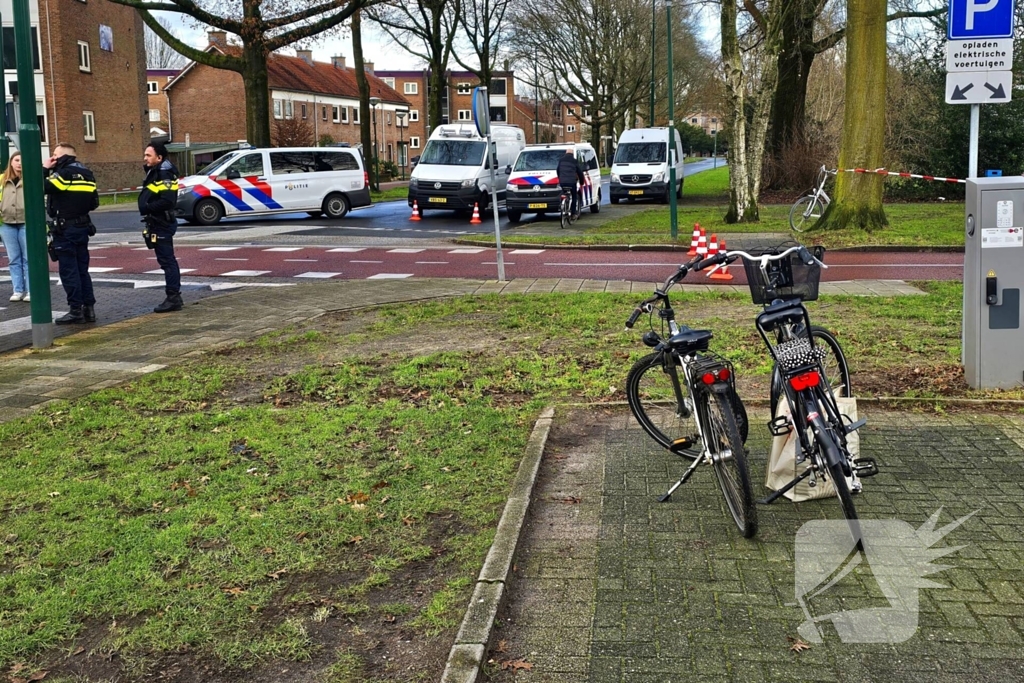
{"type": "Point", "coordinates": [89, 313]}
{"type": "Point", "coordinates": [173, 302]}
{"type": "Point", "coordinates": [72, 317]}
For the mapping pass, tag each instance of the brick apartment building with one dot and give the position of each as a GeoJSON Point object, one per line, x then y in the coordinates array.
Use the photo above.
{"type": "Point", "coordinates": [709, 122]}
{"type": "Point", "coordinates": [559, 121]}
{"type": "Point", "coordinates": [206, 104]}
{"type": "Point", "coordinates": [89, 83]}
{"type": "Point", "coordinates": [159, 121]}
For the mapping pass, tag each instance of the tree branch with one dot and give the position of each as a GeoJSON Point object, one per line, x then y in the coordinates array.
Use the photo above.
{"type": "Point", "coordinates": [308, 30]}
{"type": "Point", "coordinates": [186, 7]}
{"type": "Point", "coordinates": [216, 60]}
{"type": "Point", "coordinates": [755, 15]}
{"type": "Point", "coordinates": [301, 15]}
{"type": "Point", "coordinates": [831, 40]}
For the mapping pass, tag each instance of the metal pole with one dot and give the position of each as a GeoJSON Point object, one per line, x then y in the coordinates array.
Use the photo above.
{"type": "Point", "coordinates": [32, 177]}
{"type": "Point", "coordinates": [654, 22]}
{"type": "Point", "coordinates": [536, 101]}
{"type": "Point", "coordinates": [5, 145]}
{"type": "Point", "coordinates": [973, 155]}
{"type": "Point", "coordinates": [715, 153]}
{"type": "Point", "coordinates": [672, 208]}
{"type": "Point", "coordinates": [376, 153]}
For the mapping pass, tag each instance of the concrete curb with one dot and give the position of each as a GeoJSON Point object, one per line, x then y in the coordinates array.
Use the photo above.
{"type": "Point", "coordinates": [470, 648]}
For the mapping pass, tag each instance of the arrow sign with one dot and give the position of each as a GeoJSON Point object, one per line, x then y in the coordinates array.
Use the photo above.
{"type": "Point", "coordinates": [979, 87]}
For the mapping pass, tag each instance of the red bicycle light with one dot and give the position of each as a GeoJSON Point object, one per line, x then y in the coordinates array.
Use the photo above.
{"type": "Point", "coordinates": [724, 374]}
{"type": "Point", "coordinates": [805, 381]}
{"type": "Point", "coordinates": [708, 378]}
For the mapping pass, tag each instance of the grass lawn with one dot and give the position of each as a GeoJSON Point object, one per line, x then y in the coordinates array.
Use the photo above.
{"type": "Point", "coordinates": [392, 195]}
{"type": "Point", "coordinates": [704, 202]}
{"type": "Point", "coordinates": [325, 495]}
{"type": "Point", "coordinates": [119, 198]}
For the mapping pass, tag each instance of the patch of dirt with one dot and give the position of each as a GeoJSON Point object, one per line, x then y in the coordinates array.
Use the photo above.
{"type": "Point", "coordinates": [943, 380]}
{"type": "Point", "coordinates": [389, 646]}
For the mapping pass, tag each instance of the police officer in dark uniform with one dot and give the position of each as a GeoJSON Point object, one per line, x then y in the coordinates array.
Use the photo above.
{"type": "Point", "coordinates": [157, 202]}
{"type": "Point", "coordinates": [70, 190]}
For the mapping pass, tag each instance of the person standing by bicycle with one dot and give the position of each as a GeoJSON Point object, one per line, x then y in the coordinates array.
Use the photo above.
{"type": "Point", "coordinates": [571, 178]}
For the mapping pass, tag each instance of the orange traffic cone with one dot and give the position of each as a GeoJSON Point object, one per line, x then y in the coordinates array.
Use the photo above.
{"type": "Point", "coordinates": [702, 243]}
{"type": "Point", "coordinates": [476, 214]}
{"type": "Point", "coordinates": [723, 272]}
{"type": "Point", "coordinates": [694, 240]}
{"type": "Point", "coordinates": [415, 212]}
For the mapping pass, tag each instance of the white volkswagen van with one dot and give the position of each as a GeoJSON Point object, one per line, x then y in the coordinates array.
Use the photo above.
{"type": "Point", "coordinates": [533, 180]}
{"type": "Point", "coordinates": [452, 172]}
{"type": "Point", "coordinates": [640, 169]}
{"type": "Point", "coordinates": [255, 182]}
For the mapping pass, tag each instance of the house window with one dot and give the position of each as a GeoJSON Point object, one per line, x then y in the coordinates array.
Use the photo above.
{"type": "Point", "coordinates": [303, 110]}
{"type": "Point", "coordinates": [355, 115]}
{"type": "Point", "coordinates": [570, 111]}
{"type": "Point", "coordinates": [10, 61]}
{"type": "Point", "coordinates": [278, 109]}
{"type": "Point", "coordinates": [465, 115]}
{"type": "Point", "coordinates": [414, 114]}
{"type": "Point", "coordinates": [558, 114]}
{"type": "Point", "coordinates": [89, 122]}
{"type": "Point", "coordinates": [693, 121]}
{"type": "Point", "coordinates": [335, 113]}
{"type": "Point", "coordinates": [570, 129]}
{"type": "Point", "coordinates": [498, 86]}
{"type": "Point", "coordinates": [464, 88]}
{"type": "Point", "coordinates": [414, 142]}
{"type": "Point", "coordinates": [84, 63]}
{"type": "Point", "coordinates": [289, 111]}
{"type": "Point", "coordinates": [389, 118]}
{"type": "Point", "coordinates": [323, 113]}
{"type": "Point", "coordinates": [714, 120]}
{"type": "Point", "coordinates": [344, 114]}
{"type": "Point", "coordinates": [390, 82]}
{"type": "Point", "coordinates": [153, 87]}
{"type": "Point", "coordinates": [412, 88]}
{"type": "Point", "coordinates": [154, 114]}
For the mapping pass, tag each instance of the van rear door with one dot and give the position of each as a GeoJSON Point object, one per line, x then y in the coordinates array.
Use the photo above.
{"type": "Point", "coordinates": [293, 180]}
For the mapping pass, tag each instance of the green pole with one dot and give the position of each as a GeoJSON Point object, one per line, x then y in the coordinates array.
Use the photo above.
{"type": "Point", "coordinates": [32, 172]}
{"type": "Point", "coordinates": [5, 145]}
{"type": "Point", "coordinates": [672, 208]}
{"type": "Point", "coordinates": [654, 21]}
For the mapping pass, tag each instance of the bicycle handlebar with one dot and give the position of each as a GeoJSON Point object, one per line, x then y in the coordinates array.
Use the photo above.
{"type": "Point", "coordinates": [659, 294]}
{"type": "Point", "coordinates": [805, 255]}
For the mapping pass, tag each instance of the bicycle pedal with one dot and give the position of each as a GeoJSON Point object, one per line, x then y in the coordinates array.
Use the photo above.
{"type": "Point", "coordinates": [865, 467]}
{"type": "Point", "coordinates": [680, 446]}
{"type": "Point", "coordinates": [780, 426]}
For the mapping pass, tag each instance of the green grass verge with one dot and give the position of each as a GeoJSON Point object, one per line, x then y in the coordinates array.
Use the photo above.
{"type": "Point", "coordinates": [119, 198]}
{"type": "Point", "coordinates": [231, 506]}
{"type": "Point", "coordinates": [392, 195]}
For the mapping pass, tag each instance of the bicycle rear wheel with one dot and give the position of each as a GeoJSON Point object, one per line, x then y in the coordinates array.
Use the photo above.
{"type": "Point", "coordinates": [660, 401]}
{"type": "Point", "coordinates": [805, 212]}
{"type": "Point", "coordinates": [730, 462]}
{"type": "Point", "coordinates": [564, 214]}
{"type": "Point", "coordinates": [835, 472]}
{"type": "Point", "coordinates": [837, 372]}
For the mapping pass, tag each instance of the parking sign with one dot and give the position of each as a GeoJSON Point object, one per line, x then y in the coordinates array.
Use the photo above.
{"type": "Point", "coordinates": [976, 19]}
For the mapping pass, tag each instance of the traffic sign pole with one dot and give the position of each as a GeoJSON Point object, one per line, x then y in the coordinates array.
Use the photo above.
{"type": "Point", "coordinates": [482, 121]}
{"type": "Point", "coordinates": [972, 163]}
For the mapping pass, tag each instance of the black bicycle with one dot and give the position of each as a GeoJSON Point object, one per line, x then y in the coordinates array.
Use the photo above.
{"type": "Point", "coordinates": [684, 396]}
{"type": "Point", "coordinates": [782, 281]}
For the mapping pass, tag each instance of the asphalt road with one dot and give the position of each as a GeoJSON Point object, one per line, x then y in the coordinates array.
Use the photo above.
{"type": "Point", "coordinates": [372, 221]}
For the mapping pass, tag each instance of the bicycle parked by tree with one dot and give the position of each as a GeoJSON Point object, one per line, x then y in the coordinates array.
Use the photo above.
{"type": "Point", "coordinates": [782, 281]}
{"type": "Point", "coordinates": [806, 211]}
{"type": "Point", "coordinates": [684, 397]}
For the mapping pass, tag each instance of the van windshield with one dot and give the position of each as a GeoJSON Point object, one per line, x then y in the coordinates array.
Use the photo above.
{"type": "Point", "coordinates": [539, 160]}
{"type": "Point", "coordinates": [640, 153]}
{"type": "Point", "coordinates": [454, 153]}
{"type": "Point", "coordinates": [215, 166]}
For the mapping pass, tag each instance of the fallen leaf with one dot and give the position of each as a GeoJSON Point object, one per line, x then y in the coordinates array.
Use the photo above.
{"type": "Point", "coordinates": [358, 506]}
{"type": "Point", "coordinates": [78, 651]}
{"type": "Point", "coordinates": [54, 494]}
{"type": "Point", "coordinates": [516, 665]}
{"type": "Point", "coordinates": [408, 521]}
{"type": "Point", "coordinates": [798, 645]}
{"type": "Point", "coordinates": [277, 575]}
{"type": "Point", "coordinates": [379, 485]}
{"type": "Point", "coordinates": [502, 646]}
{"type": "Point", "coordinates": [301, 535]}
{"type": "Point", "coordinates": [233, 590]}
{"type": "Point", "coordinates": [389, 619]}
{"type": "Point", "coordinates": [354, 540]}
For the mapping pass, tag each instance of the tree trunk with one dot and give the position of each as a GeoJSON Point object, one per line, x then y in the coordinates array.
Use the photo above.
{"type": "Point", "coordinates": [741, 204]}
{"type": "Point", "coordinates": [363, 84]}
{"type": "Point", "coordinates": [437, 83]}
{"type": "Point", "coordinates": [794, 67]}
{"type": "Point", "coordinates": [257, 95]}
{"type": "Point", "coordinates": [858, 196]}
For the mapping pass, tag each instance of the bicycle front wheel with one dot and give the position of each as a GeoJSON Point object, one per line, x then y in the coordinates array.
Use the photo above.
{"type": "Point", "coordinates": [834, 363]}
{"type": "Point", "coordinates": [725, 446]}
{"type": "Point", "coordinates": [805, 212]}
{"type": "Point", "coordinates": [564, 215]}
{"type": "Point", "coordinates": [660, 401]}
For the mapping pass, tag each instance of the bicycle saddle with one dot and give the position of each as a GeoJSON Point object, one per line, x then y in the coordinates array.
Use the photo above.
{"type": "Point", "coordinates": [689, 341]}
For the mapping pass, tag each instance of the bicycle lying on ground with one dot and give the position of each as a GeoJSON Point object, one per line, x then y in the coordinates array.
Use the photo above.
{"type": "Point", "coordinates": [684, 396]}
{"type": "Point", "coordinates": [809, 208]}
{"type": "Point", "coordinates": [782, 282]}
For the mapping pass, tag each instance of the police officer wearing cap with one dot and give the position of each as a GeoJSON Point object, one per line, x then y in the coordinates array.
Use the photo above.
{"type": "Point", "coordinates": [157, 202]}
{"type": "Point", "coordinates": [71, 194]}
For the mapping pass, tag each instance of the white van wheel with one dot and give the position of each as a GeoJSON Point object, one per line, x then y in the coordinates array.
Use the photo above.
{"type": "Point", "coordinates": [208, 211]}
{"type": "Point", "coordinates": [335, 205]}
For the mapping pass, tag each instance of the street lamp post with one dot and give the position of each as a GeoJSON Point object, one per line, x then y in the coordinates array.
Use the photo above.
{"type": "Point", "coordinates": [714, 155]}
{"type": "Point", "coordinates": [374, 103]}
{"type": "Point", "coordinates": [672, 209]}
{"type": "Point", "coordinates": [402, 156]}
{"type": "Point", "coordinates": [5, 149]}
{"type": "Point", "coordinates": [654, 21]}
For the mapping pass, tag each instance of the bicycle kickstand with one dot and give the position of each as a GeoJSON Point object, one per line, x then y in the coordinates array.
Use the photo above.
{"type": "Point", "coordinates": [682, 480]}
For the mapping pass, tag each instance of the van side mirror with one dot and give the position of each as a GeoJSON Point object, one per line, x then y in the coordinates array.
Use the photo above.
{"type": "Point", "coordinates": [508, 169]}
{"type": "Point", "coordinates": [233, 174]}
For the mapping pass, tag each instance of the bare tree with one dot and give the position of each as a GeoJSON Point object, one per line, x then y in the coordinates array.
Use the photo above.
{"type": "Point", "coordinates": [425, 29]}
{"type": "Point", "coordinates": [160, 55]}
{"type": "Point", "coordinates": [293, 133]}
{"type": "Point", "coordinates": [363, 83]}
{"type": "Point", "coordinates": [484, 29]}
{"type": "Point", "coordinates": [263, 26]}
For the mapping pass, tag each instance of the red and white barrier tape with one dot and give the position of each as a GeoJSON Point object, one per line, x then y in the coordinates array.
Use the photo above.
{"type": "Point", "coordinates": [123, 189]}
{"type": "Point", "coordinates": [882, 171]}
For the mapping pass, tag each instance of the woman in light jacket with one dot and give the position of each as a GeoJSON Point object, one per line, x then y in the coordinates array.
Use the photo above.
{"type": "Point", "coordinates": [12, 231]}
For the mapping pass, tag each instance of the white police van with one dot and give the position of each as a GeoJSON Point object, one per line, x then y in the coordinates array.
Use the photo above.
{"type": "Point", "coordinates": [254, 182]}
{"type": "Point", "coordinates": [533, 180]}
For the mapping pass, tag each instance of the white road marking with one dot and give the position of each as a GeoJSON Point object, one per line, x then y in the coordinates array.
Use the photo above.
{"type": "Point", "coordinates": [101, 270]}
{"type": "Point", "coordinates": [284, 249]}
{"type": "Point", "coordinates": [432, 263]}
{"type": "Point", "coordinates": [389, 276]}
{"type": "Point", "coordinates": [494, 263]}
{"type": "Point", "coordinates": [527, 251]}
{"type": "Point", "coordinates": [244, 273]}
{"type": "Point", "coordinates": [230, 259]}
{"type": "Point", "coordinates": [346, 250]}
{"type": "Point", "coordinates": [366, 262]}
{"type": "Point", "coordinates": [21, 324]}
{"type": "Point", "coordinates": [466, 251]}
{"type": "Point", "coordinates": [318, 275]}
{"type": "Point", "coordinates": [405, 251]}
{"type": "Point", "coordinates": [301, 260]}
{"type": "Point", "coordinates": [159, 271]}
{"type": "Point", "coordinates": [219, 249]}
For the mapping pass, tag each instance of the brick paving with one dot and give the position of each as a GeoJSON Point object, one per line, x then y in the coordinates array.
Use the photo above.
{"type": "Point", "coordinates": [619, 587]}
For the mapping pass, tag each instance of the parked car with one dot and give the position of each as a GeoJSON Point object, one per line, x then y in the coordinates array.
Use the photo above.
{"type": "Point", "coordinates": [255, 182]}
{"type": "Point", "coordinates": [533, 180]}
{"type": "Point", "coordinates": [641, 166]}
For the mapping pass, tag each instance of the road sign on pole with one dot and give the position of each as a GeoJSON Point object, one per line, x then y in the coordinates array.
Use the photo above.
{"type": "Point", "coordinates": [979, 55]}
{"type": "Point", "coordinates": [482, 119]}
{"type": "Point", "coordinates": [979, 87]}
{"type": "Point", "coordinates": [980, 19]}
